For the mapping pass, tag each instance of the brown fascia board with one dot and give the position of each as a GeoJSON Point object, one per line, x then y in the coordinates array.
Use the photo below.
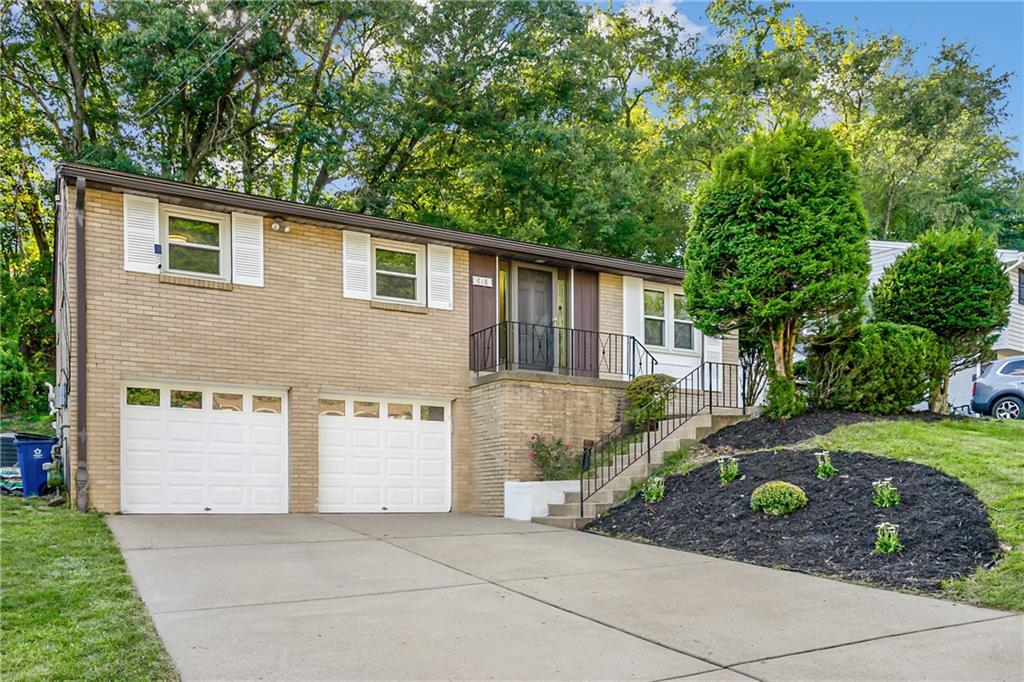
{"type": "Point", "coordinates": [226, 200]}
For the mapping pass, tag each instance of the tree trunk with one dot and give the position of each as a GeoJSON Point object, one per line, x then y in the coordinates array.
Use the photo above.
{"type": "Point", "coordinates": [938, 397]}
{"type": "Point", "coordinates": [783, 346]}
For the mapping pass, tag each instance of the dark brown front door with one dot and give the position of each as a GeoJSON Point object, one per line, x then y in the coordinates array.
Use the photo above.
{"type": "Point", "coordinates": [586, 342]}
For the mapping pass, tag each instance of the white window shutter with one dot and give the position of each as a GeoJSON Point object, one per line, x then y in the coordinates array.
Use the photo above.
{"type": "Point", "coordinates": [632, 317]}
{"type": "Point", "coordinates": [355, 264]}
{"type": "Point", "coordinates": [713, 353]}
{"type": "Point", "coordinates": [633, 307]}
{"type": "Point", "coordinates": [440, 274]}
{"type": "Point", "coordinates": [247, 249]}
{"type": "Point", "coordinates": [141, 234]}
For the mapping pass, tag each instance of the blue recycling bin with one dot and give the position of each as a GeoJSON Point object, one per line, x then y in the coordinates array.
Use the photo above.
{"type": "Point", "coordinates": [32, 455]}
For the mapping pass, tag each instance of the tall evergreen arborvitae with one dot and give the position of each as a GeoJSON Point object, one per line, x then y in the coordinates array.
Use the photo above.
{"type": "Point", "coordinates": [778, 243]}
{"type": "Point", "coordinates": [950, 282]}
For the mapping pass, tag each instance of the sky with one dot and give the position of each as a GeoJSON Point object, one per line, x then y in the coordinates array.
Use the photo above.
{"type": "Point", "coordinates": [995, 30]}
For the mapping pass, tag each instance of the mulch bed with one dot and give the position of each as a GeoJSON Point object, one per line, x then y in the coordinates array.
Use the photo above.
{"type": "Point", "coordinates": [759, 433]}
{"type": "Point", "coordinates": [942, 524]}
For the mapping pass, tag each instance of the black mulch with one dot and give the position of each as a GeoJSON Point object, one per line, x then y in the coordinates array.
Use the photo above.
{"type": "Point", "coordinates": [943, 527]}
{"type": "Point", "coordinates": [762, 432]}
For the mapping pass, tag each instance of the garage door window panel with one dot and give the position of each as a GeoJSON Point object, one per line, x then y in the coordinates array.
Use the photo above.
{"type": "Point", "coordinates": [266, 404]}
{"type": "Point", "coordinates": [432, 413]}
{"type": "Point", "coordinates": [142, 397]}
{"type": "Point", "coordinates": [228, 402]}
{"type": "Point", "coordinates": [366, 409]}
{"type": "Point", "coordinates": [332, 408]}
{"type": "Point", "coordinates": [399, 410]}
{"type": "Point", "coordinates": [186, 400]}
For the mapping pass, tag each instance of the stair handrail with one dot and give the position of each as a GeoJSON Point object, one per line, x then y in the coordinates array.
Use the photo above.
{"type": "Point", "coordinates": [709, 385]}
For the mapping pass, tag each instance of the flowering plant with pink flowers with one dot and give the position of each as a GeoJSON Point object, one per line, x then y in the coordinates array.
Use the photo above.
{"type": "Point", "coordinates": [553, 458]}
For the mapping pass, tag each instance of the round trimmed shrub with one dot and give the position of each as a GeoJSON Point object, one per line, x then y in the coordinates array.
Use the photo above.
{"type": "Point", "coordinates": [777, 498]}
{"type": "Point", "coordinates": [642, 406]}
{"type": "Point", "coordinates": [884, 369]}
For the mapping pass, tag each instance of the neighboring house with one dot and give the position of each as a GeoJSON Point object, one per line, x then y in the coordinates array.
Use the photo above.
{"type": "Point", "coordinates": [1011, 339]}
{"type": "Point", "coordinates": [223, 352]}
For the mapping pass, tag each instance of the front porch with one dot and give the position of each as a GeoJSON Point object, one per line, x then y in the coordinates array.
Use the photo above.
{"type": "Point", "coordinates": [521, 346]}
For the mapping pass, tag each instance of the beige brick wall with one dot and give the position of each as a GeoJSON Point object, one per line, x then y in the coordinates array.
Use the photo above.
{"type": "Point", "coordinates": [508, 408]}
{"type": "Point", "coordinates": [297, 332]}
{"type": "Point", "coordinates": [609, 313]}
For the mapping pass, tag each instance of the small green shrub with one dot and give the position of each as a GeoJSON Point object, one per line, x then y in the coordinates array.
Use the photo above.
{"type": "Point", "coordinates": [777, 498]}
{"type": "Point", "coordinates": [887, 538]}
{"type": "Point", "coordinates": [554, 459]}
{"type": "Point", "coordinates": [825, 470]}
{"type": "Point", "coordinates": [884, 369]}
{"type": "Point", "coordinates": [784, 400]}
{"type": "Point", "coordinates": [642, 404]}
{"type": "Point", "coordinates": [653, 490]}
{"type": "Point", "coordinates": [728, 469]}
{"type": "Point", "coordinates": [886, 494]}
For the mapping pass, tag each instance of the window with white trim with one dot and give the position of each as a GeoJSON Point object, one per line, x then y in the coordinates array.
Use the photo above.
{"type": "Point", "coordinates": [398, 272]}
{"type": "Point", "coordinates": [682, 325]}
{"type": "Point", "coordinates": [195, 243]}
{"type": "Point", "coordinates": [654, 318]}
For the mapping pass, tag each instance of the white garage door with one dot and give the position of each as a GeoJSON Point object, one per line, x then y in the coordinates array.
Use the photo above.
{"type": "Point", "coordinates": [193, 450]}
{"type": "Point", "coordinates": [384, 455]}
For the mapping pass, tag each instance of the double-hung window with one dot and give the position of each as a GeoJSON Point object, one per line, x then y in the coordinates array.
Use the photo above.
{"type": "Point", "coordinates": [195, 242]}
{"type": "Point", "coordinates": [682, 326]}
{"type": "Point", "coordinates": [666, 322]}
{"type": "Point", "coordinates": [398, 272]}
{"type": "Point", "coordinates": [654, 318]}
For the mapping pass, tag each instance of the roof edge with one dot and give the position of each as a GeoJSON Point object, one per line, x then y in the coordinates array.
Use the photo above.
{"type": "Point", "coordinates": [470, 240]}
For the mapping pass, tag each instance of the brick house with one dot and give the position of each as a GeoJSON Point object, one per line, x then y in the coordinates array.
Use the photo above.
{"type": "Point", "coordinates": [221, 352]}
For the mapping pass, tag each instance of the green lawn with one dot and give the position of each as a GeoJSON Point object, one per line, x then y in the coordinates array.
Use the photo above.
{"type": "Point", "coordinates": [69, 609]}
{"type": "Point", "coordinates": [987, 455]}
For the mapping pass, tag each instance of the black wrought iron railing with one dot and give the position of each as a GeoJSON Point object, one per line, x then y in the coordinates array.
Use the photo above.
{"type": "Point", "coordinates": [710, 386]}
{"type": "Point", "coordinates": [563, 350]}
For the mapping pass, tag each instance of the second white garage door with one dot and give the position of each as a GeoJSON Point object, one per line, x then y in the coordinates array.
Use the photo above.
{"type": "Point", "coordinates": [384, 455]}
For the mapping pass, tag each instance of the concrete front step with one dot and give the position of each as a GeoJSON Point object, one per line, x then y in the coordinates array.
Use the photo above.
{"type": "Point", "coordinates": [590, 509]}
{"type": "Point", "coordinates": [571, 522]}
{"type": "Point", "coordinates": [567, 514]}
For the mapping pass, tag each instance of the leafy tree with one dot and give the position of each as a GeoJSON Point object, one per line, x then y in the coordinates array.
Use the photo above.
{"type": "Point", "coordinates": [952, 283]}
{"type": "Point", "coordinates": [779, 243]}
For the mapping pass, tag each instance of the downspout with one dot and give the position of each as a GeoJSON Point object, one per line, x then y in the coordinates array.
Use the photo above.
{"type": "Point", "coordinates": [82, 469]}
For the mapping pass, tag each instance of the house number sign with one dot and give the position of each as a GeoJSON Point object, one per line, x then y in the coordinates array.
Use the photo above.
{"type": "Point", "coordinates": [483, 281]}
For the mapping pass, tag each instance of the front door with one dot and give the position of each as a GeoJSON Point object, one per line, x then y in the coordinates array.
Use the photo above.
{"type": "Point", "coordinates": [535, 337]}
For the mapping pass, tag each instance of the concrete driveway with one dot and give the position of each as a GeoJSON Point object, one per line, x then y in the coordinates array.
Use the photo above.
{"type": "Point", "coordinates": [438, 597]}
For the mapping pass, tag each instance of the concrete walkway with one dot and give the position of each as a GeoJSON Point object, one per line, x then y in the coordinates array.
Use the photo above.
{"type": "Point", "coordinates": [439, 597]}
